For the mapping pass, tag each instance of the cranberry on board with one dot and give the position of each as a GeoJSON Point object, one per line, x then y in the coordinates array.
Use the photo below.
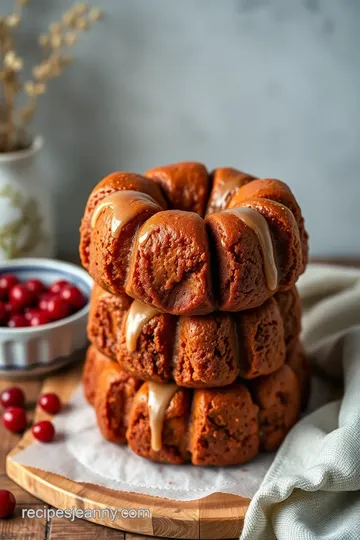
{"type": "Point", "coordinates": [73, 296]}
{"type": "Point", "coordinates": [50, 403]}
{"type": "Point", "coordinates": [17, 321]}
{"type": "Point", "coordinates": [19, 295]}
{"type": "Point", "coordinates": [7, 281]}
{"type": "Point", "coordinates": [7, 503]}
{"type": "Point", "coordinates": [57, 286]}
{"type": "Point", "coordinates": [14, 419]}
{"type": "Point", "coordinates": [43, 431]}
{"type": "Point", "coordinates": [57, 308]}
{"type": "Point", "coordinates": [12, 397]}
{"type": "Point", "coordinates": [35, 286]}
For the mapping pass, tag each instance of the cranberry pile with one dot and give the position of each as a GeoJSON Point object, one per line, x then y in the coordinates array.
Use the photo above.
{"type": "Point", "coordinates": [33, 304]}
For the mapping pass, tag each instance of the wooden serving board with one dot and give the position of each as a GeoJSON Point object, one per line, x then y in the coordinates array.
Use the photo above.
{"type": "Point", "coordinates": [219, 516]}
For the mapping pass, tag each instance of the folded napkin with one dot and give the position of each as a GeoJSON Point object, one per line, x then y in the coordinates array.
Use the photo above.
{"type": "Point", "coordinates": [311, 490]}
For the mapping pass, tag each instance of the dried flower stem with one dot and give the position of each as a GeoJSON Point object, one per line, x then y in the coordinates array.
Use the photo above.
{"type": "Point", "coordinates": [55, 43]}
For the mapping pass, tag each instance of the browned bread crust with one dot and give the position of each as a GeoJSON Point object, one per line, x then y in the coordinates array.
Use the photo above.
{"type": "Point", "coordinates": [106, 316]}
{"type": "Point", "coordinates": [99, 249]}
{"type": "Point", "coordinates": [182, 264]}
{"type": "Point", "coordinates": [198, 352]}
{"type": "Point", "coordinates": [114, 396]}
{"type": "Point", "coordinates": [223, 427]}
{"type": "Point", "coordinates": [95, 363]}
{"type": "Point", "coordinates": [218, 426]}
{"type": "Point", "coordinates": [185, 185]}
{"type": "Point", "coordinates": [226, 181]}
{"type": "Point", "coordinates": [279, 399]}
{"type": "Point", "coordinates": [174, 433]}
{"type": "Point", "coordinates": [170, 270]}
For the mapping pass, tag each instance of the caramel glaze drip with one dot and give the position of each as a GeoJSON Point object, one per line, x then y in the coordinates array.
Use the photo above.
{"type": "Point", "coordinates": [125, 205]}
{"type": "Point", "coordinates": [139, 314]}
{"type": "Point", "coordinates": [159, 399]}
{"type": "Point", "coordinates": [148, 227]}
{"type": "Point", "coordinates": [144, 233]}
{"type": "Point", "coordinates": [256, 221]}
{"type": "Point", "coordinates": [226, 190]}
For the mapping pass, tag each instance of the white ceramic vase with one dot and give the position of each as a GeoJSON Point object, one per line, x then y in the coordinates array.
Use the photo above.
{"type": "Point", "coordinates": [26, 212]}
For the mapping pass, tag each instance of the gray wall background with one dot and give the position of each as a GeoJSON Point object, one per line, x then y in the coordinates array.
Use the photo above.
{"type": "Point", "coordinates": [268, 86]}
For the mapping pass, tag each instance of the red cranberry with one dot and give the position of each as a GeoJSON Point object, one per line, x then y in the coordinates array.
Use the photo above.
{"type": "Point", "coordinates": [19, 295]}
{"type": "Point", "coordinates": [7, 281]}
{"type": "Point", "coordinates": [44, 299]}
{"type": "Point", "coordinates": [3, 313]}
{"type": "Point", "coordinates": [57, 308]}
{"type": "Point", "coordinates": [35, 286]}
{"type": "Point", "coordinates": [17, 321]}
{"type": "Point", "coordinates": [50, 403]}
{"type": "Point", "coordinates": [73, 296]}
{"type": "Point", "coordinates": [43, 431]}
{"type": "Point", "coordinates": [7, 503]}
{"type": "Point", "coordinates": [57, 286]}
{"type": "Point", "coordinates": [12, 308]}
{"type": "Point", "coordinates": [37, 318]}
{"type": "Point", "coordinates": [14, 419]}
{"type": "Point", "coordinates": [30, 312]}
{"type": "Point", "coordinates": [12, 397]}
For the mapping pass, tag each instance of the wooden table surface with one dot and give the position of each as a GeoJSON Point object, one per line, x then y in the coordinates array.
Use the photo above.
{"type": "Point", "coordinates": [16, 527]}
{"type": "Point", "coordinates": [20, 528]}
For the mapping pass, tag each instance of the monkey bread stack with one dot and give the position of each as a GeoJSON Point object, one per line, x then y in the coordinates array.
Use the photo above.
{"type": "Point", "coordinates": [195, 318]}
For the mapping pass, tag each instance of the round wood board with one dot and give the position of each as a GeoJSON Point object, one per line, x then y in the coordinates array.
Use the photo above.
{"type": "Point", "coordinates": [219, 516]}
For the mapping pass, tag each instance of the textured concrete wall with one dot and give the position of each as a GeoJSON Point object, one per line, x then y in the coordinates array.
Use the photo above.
{"type": "Point", "coordinates": [269, 86]}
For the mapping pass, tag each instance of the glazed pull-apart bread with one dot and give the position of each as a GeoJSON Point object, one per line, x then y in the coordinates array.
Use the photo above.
{"type": "Point", "coordinates": [213, 426]}
{"type": "Point", "coordinates": [194, 317]}
{"type": "Point", "coordinates": [194, 351]}
{"type": "Point", "coordinates": [187, 242]}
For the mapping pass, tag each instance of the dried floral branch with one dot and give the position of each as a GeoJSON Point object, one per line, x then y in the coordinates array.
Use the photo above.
{"type": "Point", "coordinates": [55, 43]}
